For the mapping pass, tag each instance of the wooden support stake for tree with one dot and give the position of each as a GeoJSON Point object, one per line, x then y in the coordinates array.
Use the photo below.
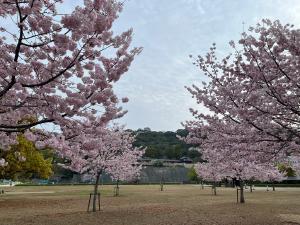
{"type": "Point", "coordinates": [99, 206]}
{"type": "Point", "coordinates": [88, 208]}
{"type": "Point", "coordinates": [99, 200]}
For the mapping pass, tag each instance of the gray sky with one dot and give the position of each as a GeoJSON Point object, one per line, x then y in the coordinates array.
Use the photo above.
{"type": "Point", "coordinates": [170, 30]}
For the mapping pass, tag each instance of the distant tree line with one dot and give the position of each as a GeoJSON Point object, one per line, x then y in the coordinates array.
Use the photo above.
{"type": "Point", "coordinates": [165, 145]}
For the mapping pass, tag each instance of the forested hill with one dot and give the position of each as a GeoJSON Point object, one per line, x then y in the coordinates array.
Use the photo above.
{"type": "Point", "coordinates": [164, 145]}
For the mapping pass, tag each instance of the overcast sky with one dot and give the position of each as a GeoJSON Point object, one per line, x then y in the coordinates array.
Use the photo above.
{"type": "Point", "coordinates": [170, 30]}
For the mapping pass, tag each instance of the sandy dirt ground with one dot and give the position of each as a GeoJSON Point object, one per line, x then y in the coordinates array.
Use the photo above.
{"type": "Point", "coordinates": [146, 204]}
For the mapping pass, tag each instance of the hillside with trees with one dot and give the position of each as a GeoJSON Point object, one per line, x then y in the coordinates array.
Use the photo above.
{"type": "Point", "coordinates": [165, 145]}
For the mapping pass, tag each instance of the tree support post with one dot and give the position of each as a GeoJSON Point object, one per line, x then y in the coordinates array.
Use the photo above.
{"type": "Point", "coordinates": [99, 206]}
{"type": "Point", "coordinates": [214, 188]}
{"type": "Point", "coordinates": [161, 183]}
{"type": "Point", "coordinates": [117, 189]}
{"type": "Point", "coordinates": [161, 186]}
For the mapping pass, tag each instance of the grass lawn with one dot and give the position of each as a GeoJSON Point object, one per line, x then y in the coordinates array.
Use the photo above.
{"type": "Point", "coordinates": [146, 204]}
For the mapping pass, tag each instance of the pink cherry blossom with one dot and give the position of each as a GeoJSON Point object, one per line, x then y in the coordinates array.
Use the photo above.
{"type": "Point", "coordinates": [93, 149]}
{"type": "Point", "coordinates": [54, 68]}
{"type": "Point", "coordinates": [252, 95]}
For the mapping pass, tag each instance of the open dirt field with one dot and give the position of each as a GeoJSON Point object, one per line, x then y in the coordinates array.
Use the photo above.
{"type": "Point", "coordinates": [141, 205]}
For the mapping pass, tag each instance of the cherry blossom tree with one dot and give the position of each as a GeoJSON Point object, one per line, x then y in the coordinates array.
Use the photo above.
{"type": "Point", "coordinates": [124, 167]}
{"type": "Point", "coordinates": [220, 145]}
{"type": "Point", "coordinates": [210, 172]}
{"type": "Point", "coordinates": [252, 95]}
{"type": "Point", "coordinates": [272, 175]}
{"type": "Point", "coordinates": [238, 170]}
{"type": "Point", "coordinates": [254, 91]}
{"type": "Point", "coordinates": [54, 67]}
{"type": "Point", "coordinates": [228, 152]}
{"type": "Point", "coordinates": [98, 149]}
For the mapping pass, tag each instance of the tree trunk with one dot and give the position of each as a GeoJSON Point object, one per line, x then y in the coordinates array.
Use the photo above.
{"type": "Point", "coordinates": [117, 188]}
{"type": "Point", "coordinates": [242, 198]}
{"type": "Point", "coordinates": [161, 186]}
{"type": "Point", "coordinates": [202, 186]}
{"type": "Point", "coordinates": [273, 186]}
{"type": "Point", "coordinates": [214, 187]}
{"type": "Point", "coordinates": [96, 192]}
{"type": "Point", "coordinates": [251, 186]}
